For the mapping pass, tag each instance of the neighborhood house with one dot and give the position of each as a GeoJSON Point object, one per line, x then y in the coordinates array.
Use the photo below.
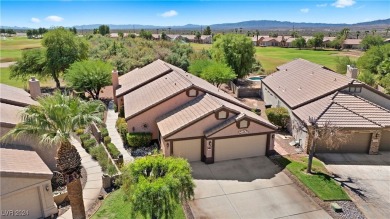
{"type": "Point", "coordinates": [308, 90]}
{"type": "Point", "coordinates": [188, 116]}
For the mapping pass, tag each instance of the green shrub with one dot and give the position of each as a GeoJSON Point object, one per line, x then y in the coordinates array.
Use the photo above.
{"type": "Point", "coordinates": [104, 132]}
{"type": "Point", "coordinates": [278, 116]}
{"type": "Point", "coordinates": [106, 140]}
{"type": "Point", "coordinates": [121, 112]}
{"type": "Point", "coordinates": [99, 153]}
{"type": "Point", "coordinates": [139, 139]}
{"type": "Point", "coordinates": [111, 169]}
{"type": "Point", "coordinates": [79, 131]}
{"type": "Point", "coordinates": [88, 144]}
{"type": "Point", "coordinates": [84, 137]}
{"type": "Point", "coordinates": [115, 108]}
{"type": "Point", "coordinates": [113, 150]}
{"type": "Point", "coordinates": [121, 126]}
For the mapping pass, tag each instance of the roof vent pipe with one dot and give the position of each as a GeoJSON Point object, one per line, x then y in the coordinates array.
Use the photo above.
{"type": "Point", "coordinates": [35, 88]}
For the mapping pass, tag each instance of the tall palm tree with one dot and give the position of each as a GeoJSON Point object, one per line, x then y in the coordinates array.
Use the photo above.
{"type": "Point", "coordinates": [52, 121]}
{"type": "Point", "coordinates": [257, 37]}
{"type": "Point", "coordinates": [357, 34]}
{"type": "Point", "coordinates": [366, 32]}
{"type": "Point", "coordinates": [373, 31]}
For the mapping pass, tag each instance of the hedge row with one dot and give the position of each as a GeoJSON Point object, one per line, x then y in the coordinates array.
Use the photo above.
{"type": "Point", "coordinates": [114, 152]}
{"type": "Point", "coordinates": [139, 139]}
{"type": "Point", "coordinates": [99, 153]}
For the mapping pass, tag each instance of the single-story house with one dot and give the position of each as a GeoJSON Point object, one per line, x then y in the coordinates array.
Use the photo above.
{"type": "Point", "coordinates": [162, 99]}
{"type": "Point", "coordinates": [352, 44]}
{"type": "Point", "coordinates": [116, 35]}
{"type": "Point", "coordinates": [25, 185]}
{"type": "Point", "coordinates": [268, 41]}
{"type": "Point", "coordinates": [203, 38]}
{"type": "Point", "coordinates": [12, 102]}
{"type": "Point", "coordinates": [307, 89]}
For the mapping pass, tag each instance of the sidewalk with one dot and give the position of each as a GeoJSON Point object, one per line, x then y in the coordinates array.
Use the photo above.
{"type": "Point", "coordinates": [94, 183]}
{"type": "Point", "coordinates": [115, 137]}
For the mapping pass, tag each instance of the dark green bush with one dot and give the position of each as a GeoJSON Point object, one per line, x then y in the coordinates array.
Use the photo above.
{"type": "Point", "coordinates": [115, 108]}
{"type": "Point", "coordinates": [106, 140]}
{"type": "Point", "coordinates": [104, 132]}
{"type": "Point", "coordinates": [121, 126]}
{"type": "Point", "coordinates": [84, 137]}
{"type": "Point", "coordinates": [79, 131]}
{"type": "Point", "coordinates": [113, 150]}
{"type": "Point", "coordinates": [121, 112]}
{"type": "Point", "coordinates": [88, 144]}
{"type": "Point", "coordinates": [139, 139]}
{"type": "Point", "coordinates": [278, 116]}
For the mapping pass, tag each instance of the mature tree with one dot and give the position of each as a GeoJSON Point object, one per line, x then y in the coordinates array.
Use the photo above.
{"type": "Point", "coordinates": [32, 63]}
{"type": "Point", "coordinates": [29, 34]}
{"type": "Point", "coordinates": [52, 121]}
{"type": "Point", "coordinates": [357, 34]}
{"type": "Point", "coordinates": [197, 66]}
{"type": "Point", "coordinates": [342, 62]}
{"type": "Point", "coordinates": [198, 36]}
{"type": "Point", "coordinates": [207, 31]}
{"type": "Point", "coordinates": [62, 49]}
{"type": "Point", "coordinates": [145, 34]}
{"type": "Point", "coordinates": [366, 32]}
{"type": "Point", "coordinates": [345, 32]}
{"type": "Point", "coordinates": [373, 57]}
{"type": "Point", "coordinates": [89, 76]}
{"type": "Point", "coordinates": [104, 29]}
{"type": "Point", "coordinates": [164, 36]}
{"type": "Point", "coordinates": [121, 34]}
{"type": "Point", "coordinates": [299, 42]}
{"type": "Point", "coordinates": [316, 41]}
{"type": "Point", "coordinates": [73, 30]}
{"type": "Point", "coordinates": [367, 77]}
{"type": "Point", "coordinates": [294, 34]}
{"type": "Point", "coordinates": [2, 30]}
{"type": "Point", "coordinates": [237, 51]}
{"type": "Point", "coordinates": [95, 31]}
{"type": "Point", "coordinates": [257, 37]}
{"type": "Point", "coordinates": [328, 134]}
{"type": "Point", "coordinates": [370, 41]}
{"type": "Point", "coordinates": [217, 73]}
{"type": "Point", "coordinates": [373, 32]}
{"type": "Point", "coordinates": [337, 43]}
{"type": "Point", "coordinates": [156, 185]}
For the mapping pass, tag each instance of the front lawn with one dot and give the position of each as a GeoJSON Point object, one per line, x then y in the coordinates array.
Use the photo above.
{"type": "Point", "coordinates": [115, 206]}
{"type": "Point", "coordinates": [320, 182]}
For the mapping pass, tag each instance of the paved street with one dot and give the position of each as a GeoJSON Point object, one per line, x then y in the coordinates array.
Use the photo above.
{"type": "Point", "coordinates": [248, 188]}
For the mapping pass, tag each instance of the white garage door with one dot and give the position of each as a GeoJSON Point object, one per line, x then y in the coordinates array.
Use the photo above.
{"type": "Point", "coordinates": [240, 147]}
{"type": "Point", "coordinates": [385, 141]}
{"type": "Point", "coordinates": [189, 149]}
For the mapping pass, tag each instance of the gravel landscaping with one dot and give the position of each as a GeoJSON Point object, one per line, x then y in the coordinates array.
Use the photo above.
{"type": "Point", "coordinates": [142, 151]}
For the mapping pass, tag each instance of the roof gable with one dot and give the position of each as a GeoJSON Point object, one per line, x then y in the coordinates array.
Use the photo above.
{"type": "Point", "coordinates": [15, 96]}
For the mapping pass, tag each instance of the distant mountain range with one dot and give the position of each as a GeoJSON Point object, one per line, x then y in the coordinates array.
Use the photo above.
{"type": "Point", "coordinates": [255, 24]}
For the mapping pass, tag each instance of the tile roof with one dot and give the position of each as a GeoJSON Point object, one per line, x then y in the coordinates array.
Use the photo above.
{"type": "Point", "coordinates": [154, 92]}
{"type": "Point", "coordinates": [222, 125]}
{"type": "Point", "coordinates": [197, 109]}
{"type": "Point", "coordinates": [345, 110]}
{"type": "Point", "coordinates": [187, 113]}
{"type": "Point", "coordinates": [138, 77]}
{"type": "Point", "coordinates": [352, 41]}
{"type": "Point", "coordinates": [10, 115]}
{"type": "Point", "coordinates": [23, 163]}
{"type": "Point", "coordinates": [15, 96]}
{"type": "Point", "coordinates": [300, 81]}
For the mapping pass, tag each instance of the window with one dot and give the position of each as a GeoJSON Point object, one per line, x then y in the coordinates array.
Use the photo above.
{"type": "Point", "coordinates": [222, 115]}
{"type": "Point", "coordinates": [355, 89]}
{"type": "Point", "coordinates": [192, 93]}
{"type": "Point", "coordinates": [243, 124]}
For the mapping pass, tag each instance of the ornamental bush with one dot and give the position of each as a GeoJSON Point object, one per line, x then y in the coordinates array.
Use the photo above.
{"type": "Point", "coordinates": [84, 137]}
{"type": "Point", "coordinates": [121, 126]}
{"type": "Point", "coordinates": [104, 132]}
{"type": "Point", "coordinates": [79, 131]}
{"type": "Point", "coordinates": [278, 116]}
{"type": "Point", "coordinates": [88, 144]}
{"type": "Point", "coordinates": [113, 150]}
{"type": "Point", "coordinates": [106, 140]}
{"type": "Point", "coordinates": [139, 139]}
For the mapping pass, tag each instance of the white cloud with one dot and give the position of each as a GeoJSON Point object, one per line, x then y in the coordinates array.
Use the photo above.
{"type": "Point", "coordinates": [35, 20]}
{"type": "Point", "coordinates": [54, 18]}
{"type": "Point", "coordinates": [322, 5]}
{"type": "Point", "coordinates": [170, 13]}
{"type": "Point", "coordinates": [305, 10]}
{"type": "Point", "coordinates": [343, 3]}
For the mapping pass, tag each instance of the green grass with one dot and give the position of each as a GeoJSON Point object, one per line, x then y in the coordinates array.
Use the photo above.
{"type": "Point", "coordinates": [4, 79]}
{"type": "Point", "coordinates": [11, 48]}
{"type": "Point", "coordinates": [115, 206]}
{"type": "Point", "coordinates": [319, 182]}
{"type": "Point", "coordinates": [271, 57]}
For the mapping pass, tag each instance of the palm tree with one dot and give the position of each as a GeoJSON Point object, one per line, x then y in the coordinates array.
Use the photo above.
{"type": "Point", "coordinates": [169, 30]}
{"type": "Point", "coordinates": [366, 32]}
{"type": "Point", "coordinates": [257, 37]}
{"type": "Point", "coordinates": [373, 31]}
{"type": "Point", "coordinates": [157, 30]}
{"type": "Point", "coordinates": [53, 121]}
{"type": "Point", "coordinates": [357, 34]}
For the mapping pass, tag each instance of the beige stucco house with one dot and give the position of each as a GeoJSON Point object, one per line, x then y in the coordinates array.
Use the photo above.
{"type": "Point", "coordinates": [25, 185]}
{"type": "Point", "coordinates": [352, 44]}
{"type": "Point", "coordinates": [188, 116]}
{"type": "Point", "coordinates": [12, 102]}
{"type": "Point", "coordinates": [308, 90]}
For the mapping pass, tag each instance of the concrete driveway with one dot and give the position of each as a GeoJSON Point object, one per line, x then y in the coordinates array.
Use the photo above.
{"type": "Point", "coordinates": [248, 188]}
{"type": "Point", "coordinates": [369, 178]}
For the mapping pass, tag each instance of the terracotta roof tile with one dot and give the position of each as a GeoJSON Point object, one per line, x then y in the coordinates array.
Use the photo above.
{"type": "Point", "coordinates": [21, 162]}
{"type": "Point", "coordinates": [352, 41]}
{"type": "Point", "coordinates": [10, 114]}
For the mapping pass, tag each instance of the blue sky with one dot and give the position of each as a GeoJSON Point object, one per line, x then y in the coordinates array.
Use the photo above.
{"type": "Point", "coordinates": [35, 13]}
